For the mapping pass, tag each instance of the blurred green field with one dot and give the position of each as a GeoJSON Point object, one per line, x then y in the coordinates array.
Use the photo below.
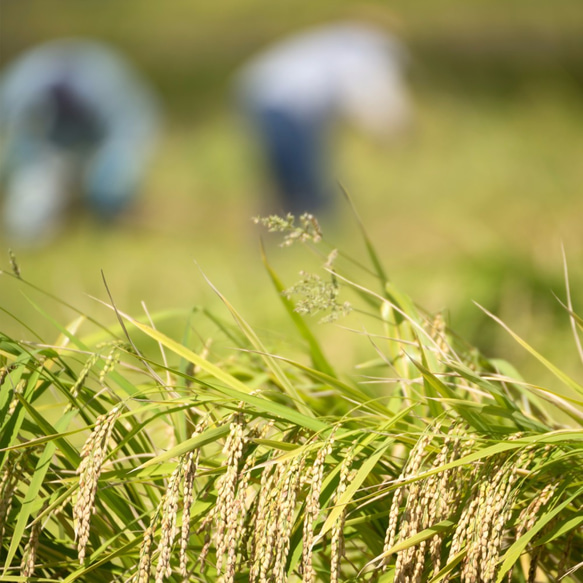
{"type": "Point", "coordinates": [473, 206]}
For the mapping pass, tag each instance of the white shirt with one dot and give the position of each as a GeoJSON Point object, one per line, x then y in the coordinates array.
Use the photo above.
{"type": "Point", "coordinates": [347, 69]}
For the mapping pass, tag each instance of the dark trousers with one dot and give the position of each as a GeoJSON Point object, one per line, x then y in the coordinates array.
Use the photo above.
{"type": "Point", "coordinates": [295, 152]}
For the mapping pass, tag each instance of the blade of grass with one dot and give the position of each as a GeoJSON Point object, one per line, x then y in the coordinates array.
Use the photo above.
{"type": "Point", "coordinates": [440, 527]}
{"type": "Point", "coordinates": [564, 378]}
{"type": "Point", "coordinates": [368, 243]}
{"type": "Point", "coordinates": [271, 363]}
{"type": "Point", "coordinates": [234, 388]}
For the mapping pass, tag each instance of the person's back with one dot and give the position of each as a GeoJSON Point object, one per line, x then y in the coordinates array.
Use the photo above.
{"type": "Point", "coordinates": [295, 90]}
{"type": "Point", "coordinates": [71, 107]}
{"type": "Point", "coordinates": [313, 73]}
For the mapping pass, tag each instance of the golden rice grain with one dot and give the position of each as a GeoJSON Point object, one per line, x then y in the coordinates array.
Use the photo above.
{"type": "Point", "coordinates": [18, 390]}
{"type": "Point", "coordinates": [92, 457]}
{"type": "Point", "coordinates": [225, 511]}
{"type": "Point", "coordinates": [145, 559]}
{"type": "Point", "coordinates": [168, 524]}
{"type": "Point", "coordinates": [190, 469]}
{"type": "Point", "coordinates": [313, 509]}
{"type": "Point", "coordinates": [411, 469]}
{"type": "Point", "coordinates": [29, 554]}
{"type": "Point", "coordinates": [9, 479]}
{"type": "Point", "coordinates": [286, 501]}
{"type": "Point", "coordinates": [337, 537]}
{"type": "Point", "coordinates": [261, 549]}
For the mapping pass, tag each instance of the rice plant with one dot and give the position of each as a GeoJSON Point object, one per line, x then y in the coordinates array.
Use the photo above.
{"type": "Point", "coordinates": [129, 455]}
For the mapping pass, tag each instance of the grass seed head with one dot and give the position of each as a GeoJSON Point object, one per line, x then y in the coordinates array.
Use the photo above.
{"type": "Point", "coordinates": [318, 295]}
{"type": "Point", "coordinates": [14, 264]}
{"type": "Point", "coordinates": [308, 229]}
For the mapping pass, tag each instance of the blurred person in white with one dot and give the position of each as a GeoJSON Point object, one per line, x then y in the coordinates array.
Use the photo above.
{"type": "Point", "coordinates": [293, 92]}
{"type": "Point", "coordinates": [76, 118]}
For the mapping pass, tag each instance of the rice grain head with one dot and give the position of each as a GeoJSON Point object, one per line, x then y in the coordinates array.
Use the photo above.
{"type": "Point", "coordinates": [82, 378]}
{"type": "Point", "coordinates": [530, 514]}
{"type": "Point", "coordinates": [18, 390]}
{"type": "Point", "coordinates": [92, 458]}
{"type": "Point", "coordinates": [261, 550]}
{"type": "Point", "coordinates": [110, 360]}
{"type": "Point", "coordinates": [225, 511]}
{"type": "Point", "coordinates": [145, 559]}
{"type": "Point", "coordinates": [312, 510]}
{"type": "Point", "coordinates": [168, 524]}
{"type": "Point", "coordinates": [286, 502]}
{"type": "Point", "coordinates": [9, 479]}
{"type": "Point", "coordinates": [29, 555]}
{"type": "Point", "coordinates": [411, 468]}
{"type": "Point", "coordinates": [337, 536]}
{"type": "Point", "coordinates": [448, 487]}
{"type": "Point", "coordinates": [190, 470]}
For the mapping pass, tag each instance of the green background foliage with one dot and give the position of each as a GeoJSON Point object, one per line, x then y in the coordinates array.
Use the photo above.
{"type": "Point", "coordinates": [474, 205]}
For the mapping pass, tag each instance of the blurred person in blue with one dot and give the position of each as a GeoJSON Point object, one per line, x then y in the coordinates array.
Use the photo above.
{"type": "Point", "coordinates": [293, 92]}
{"type": "Point", "coordinates": [75, 118]}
